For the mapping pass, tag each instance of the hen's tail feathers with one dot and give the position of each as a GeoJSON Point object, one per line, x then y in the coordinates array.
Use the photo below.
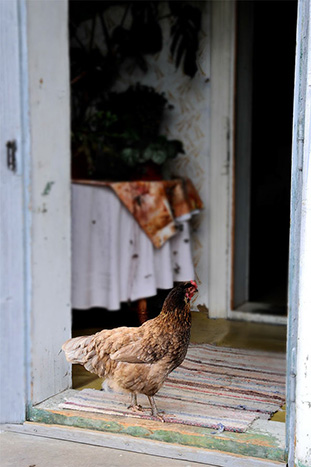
{"type": "Point", "coordinates": [82, 350]}
{"type": "Point", "coordinates": [76, 349]}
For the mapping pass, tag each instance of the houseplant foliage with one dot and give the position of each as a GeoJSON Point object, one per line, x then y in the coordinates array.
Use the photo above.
{"type": "Point", "coordinates": [121, 140]}
{"type": "Point", "coordinates": [115, 133]}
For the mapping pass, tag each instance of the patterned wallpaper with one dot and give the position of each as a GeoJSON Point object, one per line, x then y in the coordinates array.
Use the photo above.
{"type": "Point", "coordinates": [189, 121]}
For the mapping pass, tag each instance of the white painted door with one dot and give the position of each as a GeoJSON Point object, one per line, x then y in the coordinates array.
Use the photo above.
{"type": "Point", "coordinates": [298, 409]}
{"type": "Point", "coordinates": [50, 262]}
{"type": "Point", "coordinates": [12, 342]}
{"type": "Point", "coordinates": [35, 187]}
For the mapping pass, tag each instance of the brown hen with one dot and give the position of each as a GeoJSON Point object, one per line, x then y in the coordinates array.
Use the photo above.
{"type": "Point", "coordinates": [138, 360]}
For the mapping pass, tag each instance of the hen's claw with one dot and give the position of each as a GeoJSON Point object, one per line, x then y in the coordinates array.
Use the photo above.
{"type": "Point", "coordinates": [154, 411]}
{"type": "Point", "coordinates": [134, 405]}
{"type": "Point", "coordinates": [159, 418]}
{"type": "Point", "coordinates": [136, 408]}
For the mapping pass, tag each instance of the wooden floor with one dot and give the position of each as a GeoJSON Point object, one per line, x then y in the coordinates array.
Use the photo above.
{"type": "Point", "coordinates": [220, 332]}
{"type": "Point", "coordinates": [238, 334]}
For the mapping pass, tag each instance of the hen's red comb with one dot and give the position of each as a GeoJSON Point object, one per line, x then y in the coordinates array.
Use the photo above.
{"type": "Point", "coordinates": [194, 284]}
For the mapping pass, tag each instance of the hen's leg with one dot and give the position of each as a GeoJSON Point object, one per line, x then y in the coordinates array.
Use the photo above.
{"type": "Point", "coordinates": [134, 406]}
{"type": "Point", "coordinates": [154, 410]}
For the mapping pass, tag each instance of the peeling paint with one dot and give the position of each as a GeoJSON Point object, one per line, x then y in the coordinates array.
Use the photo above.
{"type": "Point", "coordinates": [259, 445]}
{"type": "Point", "coordinates": [48, 188]}
{"type": "Point", "coordinates": [42, 209]}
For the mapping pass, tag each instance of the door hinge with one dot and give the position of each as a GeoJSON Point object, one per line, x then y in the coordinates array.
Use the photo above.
{"type": "Point", "coordinates": [11, 148]}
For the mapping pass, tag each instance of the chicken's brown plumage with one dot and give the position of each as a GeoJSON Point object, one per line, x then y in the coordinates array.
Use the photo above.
{"type": "Point", "coordinates": [138, 360]}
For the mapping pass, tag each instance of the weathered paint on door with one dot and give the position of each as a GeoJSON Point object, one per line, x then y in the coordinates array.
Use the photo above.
{"type": "Point", "coordinates": [299, 299]}
{"type": "Point", "coordinates": [49, 97]}
{"type": "Point", "coordinates": [12, 252]}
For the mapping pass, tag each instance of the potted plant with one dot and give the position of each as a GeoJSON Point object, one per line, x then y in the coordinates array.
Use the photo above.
{"type": "Point", "coordinates": [121, 139]}
{"type": "Point", "coordinates": [117, 135]}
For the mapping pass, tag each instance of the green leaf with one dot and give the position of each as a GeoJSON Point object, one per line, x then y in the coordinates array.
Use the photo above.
{"type": "Point", "coordinates": [185, 35]}
{"type": "Point", "coordinates": [130, 156]}
{"type": "Point", "coordinates": [159, 156]}
{"type": "Point", "coordinates": [155, 152]}
{"type": "Point", "coordinates": [147, 154]}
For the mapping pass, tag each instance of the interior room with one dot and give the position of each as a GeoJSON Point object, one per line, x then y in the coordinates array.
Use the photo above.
{"type": "Point", "coordinates": [96, 39]}
{"type": "Point", "coordinates": [141, 119]}
{"type": "Point", "coordinates": [157, 84]}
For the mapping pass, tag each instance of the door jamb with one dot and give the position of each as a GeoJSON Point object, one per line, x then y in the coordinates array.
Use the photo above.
{"type": "Point", "coordinates": [232, 312]}
{"type": "Point", "coordinates": [222, 98]}
{"type": "Point", "coordinates": [297, 267]}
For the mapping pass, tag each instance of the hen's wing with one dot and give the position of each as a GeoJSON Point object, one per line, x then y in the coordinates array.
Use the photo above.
{"type": "Point", "coordinates": [149, 346]}
{"type": "Point", "coordinates": [139, 352]}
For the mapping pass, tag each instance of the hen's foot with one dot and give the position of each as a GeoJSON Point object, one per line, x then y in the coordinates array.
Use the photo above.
{"type": "Point", "coordinates": [154, 411]}
{"type": "Point", "coordinates": [158, 417]}
{"type": "Point", "coordinates": [136, 408]}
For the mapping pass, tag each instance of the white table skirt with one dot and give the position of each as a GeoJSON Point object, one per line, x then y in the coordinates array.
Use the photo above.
{"type": "Point", "coordinates": [113, 260]}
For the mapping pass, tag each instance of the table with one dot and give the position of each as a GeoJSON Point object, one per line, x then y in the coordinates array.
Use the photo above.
{"type": "Point", "coordinates": [113, 260]}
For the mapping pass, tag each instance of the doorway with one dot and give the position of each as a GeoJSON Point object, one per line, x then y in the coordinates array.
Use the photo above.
{"type": "Point", "coordinates": [46, 280]}
{"type": "Point", "coordinates": [109, 426]}
{"type": "Point", "coordinates": [262, 159]}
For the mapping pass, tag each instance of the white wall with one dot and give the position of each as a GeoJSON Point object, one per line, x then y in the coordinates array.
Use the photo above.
{"type": "Point", "coordinates": [48, 65]}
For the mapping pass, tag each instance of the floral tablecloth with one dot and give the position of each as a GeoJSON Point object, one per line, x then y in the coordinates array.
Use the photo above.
{"type": "Point", "coordinates": [156, 205]}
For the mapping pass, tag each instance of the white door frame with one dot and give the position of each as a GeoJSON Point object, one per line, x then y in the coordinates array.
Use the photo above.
{"type": "Point", "coordinates": [13, 219]}
{"type": "Point", "coordinates": [35, 204]}
{"type": "Point", "coordinates": [49, 109]}
{"type": "Point", "coordinates": [222, 99]}
{"type": "Point", "coordinates": [221, 182]}
{"type": "Point", "coordinates": [298, 406]}
{"type": "Point", "coordinates": [238, 270]}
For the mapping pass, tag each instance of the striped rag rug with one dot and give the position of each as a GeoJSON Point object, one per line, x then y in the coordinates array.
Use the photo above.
{"type": "Point", "coordinates": [215, 387]}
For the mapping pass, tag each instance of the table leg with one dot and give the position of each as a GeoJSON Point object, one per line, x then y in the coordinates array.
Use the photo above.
{"type": "Point", "coordinates": [142, 310]}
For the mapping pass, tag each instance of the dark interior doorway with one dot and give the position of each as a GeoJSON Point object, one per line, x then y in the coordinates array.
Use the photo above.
{"type": "Point", "coordinates": [264, 109]}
